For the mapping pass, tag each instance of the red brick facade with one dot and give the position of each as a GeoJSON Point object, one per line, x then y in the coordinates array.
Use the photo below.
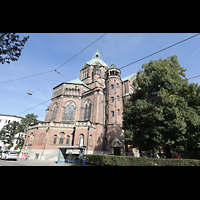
{"type": "Point", "coordinates": [86, 111]}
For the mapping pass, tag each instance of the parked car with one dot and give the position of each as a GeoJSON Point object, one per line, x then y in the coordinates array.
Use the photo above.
{"type": "Point", "coordinates": [9, 155]}
{"type": "Point", "coordinates": [3, 153]}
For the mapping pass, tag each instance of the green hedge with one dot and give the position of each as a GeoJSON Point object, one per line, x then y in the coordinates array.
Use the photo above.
{"type": "Point", "coordinates": [111, 160]}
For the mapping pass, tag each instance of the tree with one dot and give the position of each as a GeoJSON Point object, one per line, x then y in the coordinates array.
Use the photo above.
{"type": "Point", "coordinates": [28, 120]}
{"type": "Point", "coordinates": [11, 47]}
{"type": "Point", "coordinates": [163, 111]}
{"type": "Point", "coordinates": [9, 131]}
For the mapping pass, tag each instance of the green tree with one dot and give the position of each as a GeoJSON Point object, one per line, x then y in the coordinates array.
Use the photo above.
{"type": "Point", "coordinates": [28, 120]}
{"type": "Point", "coordinates": [163, 111]}
{"type": "Point", "coordinates": [11, 47]}
{"type": "Point", "coordinates": [9, 131]}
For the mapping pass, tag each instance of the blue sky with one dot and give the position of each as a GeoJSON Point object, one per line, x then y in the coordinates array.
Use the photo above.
{"type": "Point", "coordinates": [47, 51]}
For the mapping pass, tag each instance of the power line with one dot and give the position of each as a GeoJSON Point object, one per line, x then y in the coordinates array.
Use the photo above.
{"type": "Point", "coordinates": [34, 106]}
{"type": "Point", "coordinates": [160, 50]}
{"type": "Point", "coordinates": [119, 68]}
{"type": "Point", "coordinates": [194, 77]}
{"type": "Point", "coordinates": [27, 76]}
{"type": "Point", "coordinates": [61, 74]}
{"type": "Point", "coordinates": [57, 67]}
{"type": "Point", "coordinates": [81, 51]}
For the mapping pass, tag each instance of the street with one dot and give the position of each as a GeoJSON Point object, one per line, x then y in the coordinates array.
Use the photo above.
{"type": "Point", "coordinates": [31, 163]}
{"type": "Point", "coordinates": [35, 163]}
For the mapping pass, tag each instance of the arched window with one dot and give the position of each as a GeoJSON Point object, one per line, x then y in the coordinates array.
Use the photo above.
{"type": "Point", "coordinates": [69, 112]}
{"type": "Point", "coordinates": [32, 136]}
{"type": "Point", "coordinates": [54, 139]}
{"type": "Point", "coordinates": [54, 112]}
{"type": "Point", "coordinates": [87, 111]}
{"type": "Point", "coordinates": [67, 139]}
{"type": "Point", "coordinates": [62, 135]}
{"type": "Point", "coordinates": [81, 140]}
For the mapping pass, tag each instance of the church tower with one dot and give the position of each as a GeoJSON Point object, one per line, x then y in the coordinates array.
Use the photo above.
{"type": "Point", "coordinates": [93, 71]}
{"type": "Point", "coordinates": [114, 109]}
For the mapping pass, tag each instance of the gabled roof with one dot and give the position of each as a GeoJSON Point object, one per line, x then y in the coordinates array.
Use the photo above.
{"type": "Point", "coordinates": [79, 82]}
{"type": "Point", "coordinates": [96, 57]}
{"type": "Point", "coordinates": [75, 81]}
{"type": "Point", "coordinates": [128, 77]}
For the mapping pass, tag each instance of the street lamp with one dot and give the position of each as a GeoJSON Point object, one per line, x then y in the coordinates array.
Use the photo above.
{"type": "Point", "coordinates": [89, 126]}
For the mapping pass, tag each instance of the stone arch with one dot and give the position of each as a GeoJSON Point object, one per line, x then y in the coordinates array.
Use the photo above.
{"type": "Point", "coordinates": [81, 140]}
{"type": "Point", "coordinates": [87, 109]}
{"type": "Point", "coordinates": [54, 111]}
{"type": "Point", "coordinates": [69, 111]}
{"type": "Point", "coordinates": [54, 141]}
{"type": "Point", "coordinates": [116, 142]}
{"type": "Point", "coordinates": [116, 146]}
{"type": "Point", "coordinates": [61, 138]}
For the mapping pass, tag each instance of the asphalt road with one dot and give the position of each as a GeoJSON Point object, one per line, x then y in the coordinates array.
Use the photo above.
{"type": "Point", "coordinates": [34, 163]}
{"type": "Point", "coordinates": [29, 163]}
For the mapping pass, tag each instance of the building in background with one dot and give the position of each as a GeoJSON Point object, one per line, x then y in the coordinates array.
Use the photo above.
{"type": "Point", "coordinates": [85, 112]}
{"type": "Point", "coordinates": [4, 120]}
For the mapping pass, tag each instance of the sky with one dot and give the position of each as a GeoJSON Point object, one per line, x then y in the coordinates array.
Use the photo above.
{"type": "Point", "coordinates": [47, 51]}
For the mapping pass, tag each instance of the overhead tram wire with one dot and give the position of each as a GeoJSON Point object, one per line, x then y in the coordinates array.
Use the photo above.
{"type": "Point", "coordinates": [27, 76]}
{"type": "Point", "coordinates": [81, 51]}
{"type": "Point", "coordinates": [61, 74]}
{"type": "Point", "coordinates": [194, 77]}
{"type": "Point", "coordinates": [79, 108]}
{"type": "Point", "coordinates": [57, 67]}
{"type": "Point", "coordinates": [129, 63]}
{"type": "Point", "coordinates": [33, 107]}
{"type": "Point", "coordinates": [160, 50]}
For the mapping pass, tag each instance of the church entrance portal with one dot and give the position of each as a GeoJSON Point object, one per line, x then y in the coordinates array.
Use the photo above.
{"type": "Point", "coordinates": [116, 147]}
{"type": "Point", "coordinates": [117, 150]}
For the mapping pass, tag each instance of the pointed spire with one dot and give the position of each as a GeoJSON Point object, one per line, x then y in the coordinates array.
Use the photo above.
{"type": "Point", "coordinates": [96, 57]}
{"type": "Point", "coordinates": [97, 54]}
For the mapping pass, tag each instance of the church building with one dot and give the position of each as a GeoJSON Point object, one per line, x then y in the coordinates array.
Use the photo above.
{"type": "Point", "coordinates": [84, 112]}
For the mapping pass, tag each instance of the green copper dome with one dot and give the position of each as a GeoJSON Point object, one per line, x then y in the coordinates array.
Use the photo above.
{"type": "Point", "coordinates": [96, 57]}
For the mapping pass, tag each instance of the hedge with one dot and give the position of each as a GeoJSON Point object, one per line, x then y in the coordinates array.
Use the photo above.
{"type": "Point", "coordinates": [112, 160]}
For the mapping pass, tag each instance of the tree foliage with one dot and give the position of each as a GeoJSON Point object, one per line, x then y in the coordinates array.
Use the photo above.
{"type": "Point", "coordinates": [11, 47]}
{"type": "Point", "coordinates": [9, 131]}
{"type": "Point", "coordinates": [163, 112]}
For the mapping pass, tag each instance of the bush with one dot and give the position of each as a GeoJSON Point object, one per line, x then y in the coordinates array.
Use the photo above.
{"type": "Point", "coordinates": [111, 160]}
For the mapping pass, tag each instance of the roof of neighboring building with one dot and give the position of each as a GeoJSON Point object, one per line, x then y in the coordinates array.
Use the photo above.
{"type": "Point", "coordinates": [11, 116]}
{"type": "Point", "coordinates": [128, 77]}
{"type": "Point", "coordinates": [96, 57]}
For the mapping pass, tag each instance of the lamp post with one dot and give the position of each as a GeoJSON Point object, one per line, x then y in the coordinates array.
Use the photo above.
{"type": "Point", "coordinates": [89, 126]}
